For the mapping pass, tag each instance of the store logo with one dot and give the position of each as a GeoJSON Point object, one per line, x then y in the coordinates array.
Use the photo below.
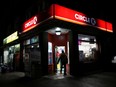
{"type": "Point", "coordinates": [31, 22]}
{"type": "Point", "coordinates": [91, 21]}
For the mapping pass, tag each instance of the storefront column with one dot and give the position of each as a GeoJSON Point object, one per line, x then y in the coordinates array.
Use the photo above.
{"type": "Point", "coordinates": [43, 40]}
{"type": "Point", "coordinates": [74, 56]}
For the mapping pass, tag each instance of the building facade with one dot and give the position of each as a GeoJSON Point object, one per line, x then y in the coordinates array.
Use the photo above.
{"type": "Point", "coordinates": [59, 28]}
{"type": "Point", "coordinates": [55, 27]}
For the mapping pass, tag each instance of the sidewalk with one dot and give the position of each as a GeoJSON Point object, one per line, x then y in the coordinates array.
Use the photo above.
{"type": "Point", "coordinates": [11, 75]}
{"type": "Point", "coordinates": [17, 79]}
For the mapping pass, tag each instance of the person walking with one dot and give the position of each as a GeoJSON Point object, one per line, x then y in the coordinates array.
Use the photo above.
{"type": "Point", "coordinates": [64, 60]}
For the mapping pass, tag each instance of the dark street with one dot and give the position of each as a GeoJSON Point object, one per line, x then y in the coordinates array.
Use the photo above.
{"type": "Point", "coordinates": [17, 79]}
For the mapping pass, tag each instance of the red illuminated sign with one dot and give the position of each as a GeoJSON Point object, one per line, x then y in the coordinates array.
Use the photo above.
{"type": "Point", "coordinates": [85, 19]}
{"type": "Point", "coordinates": [30, 23]}
{"type": "Point", "coordinates": [66, 14]}
{"type": "Point", "coordinates": [69, 15]}
{"type": "Point", "coordinates": [109, 27]}
{"type": "Point", "coordinates": [73, 16]}
{"type": "Point", "coordinates": [38, 19]}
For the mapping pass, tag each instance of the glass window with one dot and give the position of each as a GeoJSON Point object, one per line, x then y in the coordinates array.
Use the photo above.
{"type": "Point", "coordinates": [31, 51]}
{"type": "Point", "coordinates": [87, 48]}
{"type": "Point", "coordinates": [27, 42]}
{"type": "Point", "coordinates": [34, 39]}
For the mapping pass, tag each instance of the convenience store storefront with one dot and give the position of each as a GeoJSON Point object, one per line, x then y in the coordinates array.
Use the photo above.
{"type": "Point", "coordinates": [11, 52]}
{"type": "Point", "coordinates": [59, 28]}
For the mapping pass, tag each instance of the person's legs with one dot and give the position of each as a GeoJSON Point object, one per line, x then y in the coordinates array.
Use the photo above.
{"type": "Point", "coordinates": [64, 69]}
{"type": "Point", "coordinates": [61, 68]}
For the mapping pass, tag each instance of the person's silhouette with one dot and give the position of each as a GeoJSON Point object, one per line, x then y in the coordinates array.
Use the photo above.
{"type": "Point", "coordinates": [64, 61]}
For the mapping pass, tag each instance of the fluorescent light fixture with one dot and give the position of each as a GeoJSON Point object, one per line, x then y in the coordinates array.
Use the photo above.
{"type": "Point", "coordinates": [58, 32]}
{"type": "Point", "coordinates": [57, 29]}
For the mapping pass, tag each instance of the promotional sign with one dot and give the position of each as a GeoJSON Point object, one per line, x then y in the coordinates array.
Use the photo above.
{"type": "Point", "coordinates": [50, 54]}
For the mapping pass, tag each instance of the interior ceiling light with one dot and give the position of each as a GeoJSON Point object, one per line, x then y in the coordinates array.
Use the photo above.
{"type": "Point", "coordinates": [58, 31]}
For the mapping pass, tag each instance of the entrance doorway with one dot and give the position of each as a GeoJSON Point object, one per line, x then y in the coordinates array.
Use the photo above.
{"type": "Point", "coordinates": [57, 43]}
{"type": "Point", "coordinates": [58, 50]}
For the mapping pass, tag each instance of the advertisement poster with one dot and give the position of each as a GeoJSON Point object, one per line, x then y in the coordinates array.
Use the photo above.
{"type": "Point", "coordinates": [50, 54]}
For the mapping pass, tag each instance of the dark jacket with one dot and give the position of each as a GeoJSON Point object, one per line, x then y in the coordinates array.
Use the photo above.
{"type": "Point", "coordinates": [63, 58]}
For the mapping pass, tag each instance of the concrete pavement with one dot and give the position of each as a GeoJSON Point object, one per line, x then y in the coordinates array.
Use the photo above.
{"type": "Point", "coordinates": [17, 79]}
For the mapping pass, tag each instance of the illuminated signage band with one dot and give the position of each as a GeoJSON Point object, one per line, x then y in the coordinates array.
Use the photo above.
{"type": "Point", "coordinates": [85, 19]}
{"type": "Point", "coordinates": [62, 13]}
{"type": "Point", "coordinates": [11, 38]}
{"type": "Point", "coordinates": [69, 15]}
{"type": "Point", "coordinates": [31, 22]}
{"type": "Point", "coordinates": [36, 20]}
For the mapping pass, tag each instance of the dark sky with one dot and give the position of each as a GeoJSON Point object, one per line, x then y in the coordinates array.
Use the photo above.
{"type": "Point", "coordinates": [10, 9]}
